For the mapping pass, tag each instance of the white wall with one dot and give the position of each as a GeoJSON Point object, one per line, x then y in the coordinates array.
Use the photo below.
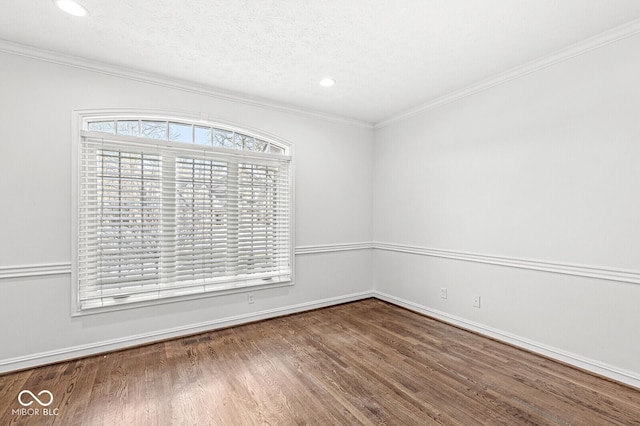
{"type": "Point", "coordinates": [333, 206]}
{"type": "Point", "coordinates": [546, 168]}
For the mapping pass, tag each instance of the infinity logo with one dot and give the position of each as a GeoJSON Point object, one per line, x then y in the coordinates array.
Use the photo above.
{"type": "Point", "coordinates": [26, 404]}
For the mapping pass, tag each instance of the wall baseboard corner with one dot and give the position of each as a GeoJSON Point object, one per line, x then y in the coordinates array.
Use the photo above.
{"type": "Point", "coordinates": [66, 354]}
{"type": "Point", "coordinates": [589, 365]}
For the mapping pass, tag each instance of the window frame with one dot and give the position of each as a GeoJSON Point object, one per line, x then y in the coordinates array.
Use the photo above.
{"type": "Point", "coordinates": [80, 118]}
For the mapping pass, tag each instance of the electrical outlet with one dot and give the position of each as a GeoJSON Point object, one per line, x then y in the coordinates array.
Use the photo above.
{"type": "Point", "coordinates": [443, 293]}
{"type": "Point", "coordinates": [476, 301]}
{"type": "Point", "coordinates": [250, 298]}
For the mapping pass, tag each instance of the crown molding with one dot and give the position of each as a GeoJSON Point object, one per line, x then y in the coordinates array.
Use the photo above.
{"type": "Point", "coordinates": [168, 82]}
{"type": "Point", "coordinates": [607, 37]}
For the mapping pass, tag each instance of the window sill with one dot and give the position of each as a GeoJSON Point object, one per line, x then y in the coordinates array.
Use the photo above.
{"type": "Point", "coordinates": [126, 303]}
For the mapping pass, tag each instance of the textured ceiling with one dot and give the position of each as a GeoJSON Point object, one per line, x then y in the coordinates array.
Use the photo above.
{"type": "Point", "coordinates": [386, 56]}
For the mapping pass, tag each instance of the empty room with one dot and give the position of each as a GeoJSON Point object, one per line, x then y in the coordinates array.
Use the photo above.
{"type": "Point", "coordinates": [324, 213]}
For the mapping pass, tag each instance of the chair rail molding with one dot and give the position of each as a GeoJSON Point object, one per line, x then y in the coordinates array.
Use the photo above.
{"type": "Point", "coordinates": [331, 248]}
{"type": "Point", "coordinates": [64, 268]}
{"type": "Point", "coordinates": [35, 270]}
{"type": "Point", "coordinates": [587, 271]}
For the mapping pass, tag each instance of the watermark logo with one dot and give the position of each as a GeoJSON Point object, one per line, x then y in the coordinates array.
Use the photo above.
{"type": "Point", "coordinates": [26, 398]}
{"type": "Point", "coordinates": [44, 404]}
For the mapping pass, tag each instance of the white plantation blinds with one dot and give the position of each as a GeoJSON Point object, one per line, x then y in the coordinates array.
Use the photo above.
{"type": "Point", "coordinates": [166, 219]}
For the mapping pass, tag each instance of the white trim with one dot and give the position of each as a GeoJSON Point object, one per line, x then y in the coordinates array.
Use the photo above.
{"type": "Point", "coordinates": [331, 248]}
{"type": "Point", "coordinates": [26, 271]}
{"type": "Point", "coordinates": [587, 271]}
{"type": "Point", "coordinates": [43, 358]}
{"type": "Point", "coordinates": [36, 270]}
{"type": "Point", "coordinates": [59, 355]}
{"type": "Point", "coordinates": [593, 366]}
{"type": "Point", "coordinates": [76, 125]}
{"type": "Point", "coordinates": [176, 299]}
{"type": "Point", "coordinates": [607, 37]}
{"type": "Point", "coordinates": [168, 82]}
{"type": "Point", "coordinates": [80, 118]}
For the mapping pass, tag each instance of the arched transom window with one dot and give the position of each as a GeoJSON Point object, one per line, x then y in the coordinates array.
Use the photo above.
{"type": "Point", "coordinates": [172, 208]}
{"type": "Point", "coordinates": [177, 131]}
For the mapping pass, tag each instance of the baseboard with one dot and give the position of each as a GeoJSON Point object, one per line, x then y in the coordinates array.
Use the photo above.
{"type": "Point", "coordinates": [598, 368]}
{"type": "Point", "coordinates": [65, 354]}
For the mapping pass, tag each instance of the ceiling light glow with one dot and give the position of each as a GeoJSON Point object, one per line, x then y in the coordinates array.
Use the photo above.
{"type": "Point", "coordinates": [71, 7]}
{"type": "Point", "coordinates": [327, 82]}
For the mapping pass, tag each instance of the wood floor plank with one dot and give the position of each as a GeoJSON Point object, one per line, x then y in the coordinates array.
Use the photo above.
{"type": "Point", "coordinates": [366, 362]}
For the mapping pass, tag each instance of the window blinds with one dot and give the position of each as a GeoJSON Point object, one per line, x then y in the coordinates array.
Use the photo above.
{"type": "Point", "coordinates": [164, 220]}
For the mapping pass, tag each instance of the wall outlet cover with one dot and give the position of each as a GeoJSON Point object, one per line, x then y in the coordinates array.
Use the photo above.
{"type": "Point", "coordinates": [476, 301]}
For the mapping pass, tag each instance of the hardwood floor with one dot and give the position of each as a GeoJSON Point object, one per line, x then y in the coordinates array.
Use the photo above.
{"type": "Point", "coordinates": [365, 362]}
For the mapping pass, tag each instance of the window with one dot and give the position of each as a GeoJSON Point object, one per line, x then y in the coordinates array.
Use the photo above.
{"type": "Point", "coordinates": [175, 208]}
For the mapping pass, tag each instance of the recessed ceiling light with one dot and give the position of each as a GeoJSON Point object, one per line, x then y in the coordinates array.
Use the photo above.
{"type": "Point", "coordinates": [327, 82]}
{"type": "Point", "coordinates": [71, 7]}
